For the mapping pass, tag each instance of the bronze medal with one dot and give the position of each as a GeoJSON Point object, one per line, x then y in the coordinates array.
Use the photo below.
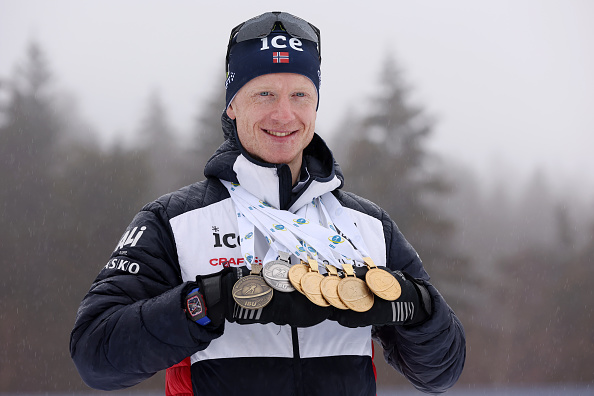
{"type": "Point", "coordinates": [252, 292]}
{"type": "Point", "coordinates": [381, 282]}
{"type": "Point", "coordinates": [310, 283]}
{"type": "Point", "coordinates": [296, 273]}
{"type": "Point", "coordinates": [329, 287]}
{"type": "Point", "coordinates": [353, 292]}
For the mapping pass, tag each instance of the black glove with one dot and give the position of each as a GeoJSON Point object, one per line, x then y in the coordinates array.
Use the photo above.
{"type": "Point", "coordinates": [215, 290]}
{"type": "Point", "coordinates": [292, 309]}
{"type": "Point", "coordinates": [284, 309]}
{"type": "Point", "coordinates": [413, 307]}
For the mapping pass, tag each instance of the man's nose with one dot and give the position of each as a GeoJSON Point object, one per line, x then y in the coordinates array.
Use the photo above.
{"type": "Point", "coordinates": [283, 110]}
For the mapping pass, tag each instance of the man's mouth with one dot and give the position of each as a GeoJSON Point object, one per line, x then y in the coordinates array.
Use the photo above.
{"type": "Point", "coordinates": [278, 133]}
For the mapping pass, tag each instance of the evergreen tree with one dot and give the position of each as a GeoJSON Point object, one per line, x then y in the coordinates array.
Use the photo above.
{"type": "Point", "coordinates": [207, 133]}
{"type": "Point", "coordinates": [63, 207]}
{"type": "Point", "coordinates": [158, 145]}
{"type": "Point", "coordinates": [385, 159]}
{"type": "Point", "coordinates": [28, 138]}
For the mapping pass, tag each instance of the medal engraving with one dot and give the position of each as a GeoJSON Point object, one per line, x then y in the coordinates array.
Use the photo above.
{"type": "Point", "coordinates": [252, 292]}
{"type": "Point", "coordinates": [276, 274]}
{"type": "Point", "coordinates": [353, 292]}
{"type": "Point", "coordinates": [310, 283]}
{"type": "Point", "coordinates": [329, 287]}
{"type": "Point", "coordinates": [381, 282]}
{"type": "Point", "coordinates": [296, 273]}
{"type": "Point", "coordinates": [311, 288]}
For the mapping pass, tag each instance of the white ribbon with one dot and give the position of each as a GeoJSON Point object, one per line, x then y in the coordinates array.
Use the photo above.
{"type": "Point", "coordinates": [302, 233]}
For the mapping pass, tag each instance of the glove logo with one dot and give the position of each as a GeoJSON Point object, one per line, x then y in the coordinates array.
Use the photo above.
{"type": "Point", "coordinates": [401, 275]}
{"type": "Point", "coordinates": [301, 221]}
{"type": "Point", "coordinates": [402, 311]}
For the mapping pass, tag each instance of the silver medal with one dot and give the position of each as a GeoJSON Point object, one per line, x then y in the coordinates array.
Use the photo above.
{"type": "Point", "coordinates": [276, 273]}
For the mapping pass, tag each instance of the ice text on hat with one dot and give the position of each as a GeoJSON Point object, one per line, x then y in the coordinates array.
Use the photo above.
{"type": "Point", "coordinates": [278, 42]}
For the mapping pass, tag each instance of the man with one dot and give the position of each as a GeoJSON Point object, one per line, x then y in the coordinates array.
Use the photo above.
{"type": "Point", "coordinates": [185, 281]}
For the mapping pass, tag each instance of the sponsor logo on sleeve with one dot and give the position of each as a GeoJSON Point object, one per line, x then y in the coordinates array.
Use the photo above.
{"type": "Point", "coordinates": [130, 237]}
{"type": "Point", "coordinates": [123, 265]}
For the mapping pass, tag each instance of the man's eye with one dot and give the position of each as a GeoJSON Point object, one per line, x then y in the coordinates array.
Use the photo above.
{"type": "Point", "coordinates": [300, 94]}
{"type": "Point", "coordinates": [265, 93]}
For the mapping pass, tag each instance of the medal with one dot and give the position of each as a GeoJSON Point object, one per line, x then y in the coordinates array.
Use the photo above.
{"type": "Point", "coordinates": [252, 292]}
{"type": "Point", "coordinates": [310, 283]}
{"type": "Point", "coordinates": [276, 273]}
{"type": "Point", "coordinates": [329, 287]}
{"type": "Point", "coordinates": [353, 292]}
{"type": "Point", "coordinates": [381, 282]}
{"type": "Point", "coordinates": [296, 273]}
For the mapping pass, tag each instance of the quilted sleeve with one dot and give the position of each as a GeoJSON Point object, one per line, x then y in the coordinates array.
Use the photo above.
{"type": "Point", "coordinates": [431, 355]}
{"type": "Point", "coordinates": [131, 323]}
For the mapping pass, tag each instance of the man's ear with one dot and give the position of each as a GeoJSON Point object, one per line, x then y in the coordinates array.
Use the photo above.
{"type": "Point", "coordinates": [231, 111]}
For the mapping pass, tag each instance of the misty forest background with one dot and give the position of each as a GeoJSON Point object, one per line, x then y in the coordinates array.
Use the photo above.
{"type": "Point", "coordinates": [516, 264]}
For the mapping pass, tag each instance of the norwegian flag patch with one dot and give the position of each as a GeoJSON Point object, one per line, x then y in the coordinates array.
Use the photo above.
{"type": "Point", "coordinates": [280, 57]}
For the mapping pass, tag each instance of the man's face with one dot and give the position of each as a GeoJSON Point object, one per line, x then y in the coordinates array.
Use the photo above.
{"type": "Point", "coordinates": [276, 116]}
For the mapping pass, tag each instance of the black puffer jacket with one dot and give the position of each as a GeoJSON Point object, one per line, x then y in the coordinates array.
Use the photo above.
{"type": "Point", "coordinates": [131, 323]}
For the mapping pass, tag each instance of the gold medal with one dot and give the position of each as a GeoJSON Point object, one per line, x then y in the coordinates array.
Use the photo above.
{"type": "Point", "coordinates": [252, 292]}
{"type": "Point", "coordinates": [381, 282]}
{"type": "Point", "coordinates": [353, 292]}
{"type": "Point", "coordinates": [329, 287]}
{"type": "Point", "coordinates": [310, 283]}
{"type": "Point", "coordinates": [296, 273]}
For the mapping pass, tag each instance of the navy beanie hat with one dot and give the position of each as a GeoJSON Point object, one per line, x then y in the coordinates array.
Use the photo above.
{"type": "Point", "coordinates": [279, 52]}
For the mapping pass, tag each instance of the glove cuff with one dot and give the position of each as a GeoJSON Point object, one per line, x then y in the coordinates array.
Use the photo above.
{"type": "Point", "coordinates": [425, 301]}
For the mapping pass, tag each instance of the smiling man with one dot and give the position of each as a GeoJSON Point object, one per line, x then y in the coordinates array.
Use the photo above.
{"type": "Point", "coordinates": [276, 117]}
{"type": "Point", "coordinates": [307, 274]}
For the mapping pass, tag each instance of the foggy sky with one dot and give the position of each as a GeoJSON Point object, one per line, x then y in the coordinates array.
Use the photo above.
{"type": "Point", "coordinates": [509, 83]}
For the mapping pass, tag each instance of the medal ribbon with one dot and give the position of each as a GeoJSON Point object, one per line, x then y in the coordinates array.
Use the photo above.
{"type": "Point", "coordinates": [300, 235]}
{"type": "Point", "coordinates": [250, 215]}
{"type": "Point", "coordinates": [343, 221]}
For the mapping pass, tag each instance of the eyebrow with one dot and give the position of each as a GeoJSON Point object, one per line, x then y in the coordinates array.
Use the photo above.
{"type": "Point", "coordinates": [270, 88]}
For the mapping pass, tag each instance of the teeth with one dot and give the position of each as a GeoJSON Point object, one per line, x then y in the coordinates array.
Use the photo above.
{"type": "Point", "coordinates": [278, 133]}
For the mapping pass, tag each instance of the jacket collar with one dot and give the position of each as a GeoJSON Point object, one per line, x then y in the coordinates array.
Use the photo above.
{"type": "Point", "coordinates": [272, 183]}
